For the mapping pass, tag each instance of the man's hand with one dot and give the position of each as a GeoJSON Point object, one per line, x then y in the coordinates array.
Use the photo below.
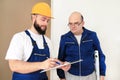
{"type": "Point", "coordinates": [66, 67]}
{"type": "Point", "coordinates": [62, 79]}
{"type": "Point", "coordinates": [102, 77]}
{"type": "Point", "coordinates": [49, 63]}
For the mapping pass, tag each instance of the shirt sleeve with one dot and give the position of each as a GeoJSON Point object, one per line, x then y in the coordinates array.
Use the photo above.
{"type": "Point", "coordinates": [61, 56]}
{"type": "Point", "coordinates": [101, 55]}
{"type": "Point", "coordinates": [15, 49]}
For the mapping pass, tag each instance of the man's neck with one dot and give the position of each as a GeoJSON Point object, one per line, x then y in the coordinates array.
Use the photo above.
{"type": "Point", "coordinates": [33, 30]}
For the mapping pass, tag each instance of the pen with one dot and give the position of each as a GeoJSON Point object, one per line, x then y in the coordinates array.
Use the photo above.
{"type": "Point", "coordinates": [56, 62]}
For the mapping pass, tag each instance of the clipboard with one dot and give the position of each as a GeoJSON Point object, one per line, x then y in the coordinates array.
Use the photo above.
{"type": "Point", "coordinates": [61, 65]}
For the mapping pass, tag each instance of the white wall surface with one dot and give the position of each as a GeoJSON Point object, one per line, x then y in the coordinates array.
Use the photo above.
{"type": "Point", "coordinates": [102, 16]}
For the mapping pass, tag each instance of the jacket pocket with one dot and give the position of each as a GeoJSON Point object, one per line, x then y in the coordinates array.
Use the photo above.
{"type": "Point", "coordinates": [90, 40]}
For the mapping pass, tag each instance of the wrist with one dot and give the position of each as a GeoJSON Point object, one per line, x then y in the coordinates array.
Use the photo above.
{"type": "Point", "coordinates": [102, 77]}
{"type": "Point", "coordinates": [62, 79]}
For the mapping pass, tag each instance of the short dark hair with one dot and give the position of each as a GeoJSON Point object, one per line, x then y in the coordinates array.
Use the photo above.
{"type": "Point", "coordinates": [82, 17]}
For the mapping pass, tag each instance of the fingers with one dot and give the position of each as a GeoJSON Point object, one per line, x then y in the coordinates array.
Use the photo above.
{"type": "Point", "coordinates": [55, 62]}
{"type": "Point", "coordinates": [52, 62]}
{"type": "Point", "coordinates": [66, 67]}
{"type": "Point", "coordinates": [58, 62]}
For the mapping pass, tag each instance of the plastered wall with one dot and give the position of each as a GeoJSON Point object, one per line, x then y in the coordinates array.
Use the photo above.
{"type": "Point", "coordinates": [14, 17]}
{"type": "Point", "coordinates": [102, 16]}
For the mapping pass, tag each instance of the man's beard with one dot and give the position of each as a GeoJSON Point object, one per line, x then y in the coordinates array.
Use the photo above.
{"type": "Point", "coordinates": [38, 28]}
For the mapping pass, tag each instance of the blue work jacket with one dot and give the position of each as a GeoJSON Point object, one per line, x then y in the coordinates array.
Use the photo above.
{"type": "Point", "coordinates": [70, 50]}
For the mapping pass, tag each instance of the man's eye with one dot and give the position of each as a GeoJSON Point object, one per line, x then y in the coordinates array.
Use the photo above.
{"type": "Point", "coordinates": [42, 19]}
{"type": "Point", "coordinates": [76, 23]}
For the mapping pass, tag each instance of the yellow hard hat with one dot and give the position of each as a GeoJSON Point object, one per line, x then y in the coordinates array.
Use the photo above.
{"type": "Point", "coordinates": [42, 8]}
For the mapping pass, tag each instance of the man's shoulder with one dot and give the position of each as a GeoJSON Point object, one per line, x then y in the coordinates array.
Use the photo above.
{"type": "Point", "coordinates": [69, 33]}
{"type": "Point", "coordinates": [88, 31]}
{"type": "Point", "coordinates": [19, 35]}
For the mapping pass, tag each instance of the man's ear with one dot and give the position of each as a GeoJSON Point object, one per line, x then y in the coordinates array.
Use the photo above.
{"type": "Point", "coordinates": [33, 17]}
{"type": "Point", "coordinates": [83, 23]}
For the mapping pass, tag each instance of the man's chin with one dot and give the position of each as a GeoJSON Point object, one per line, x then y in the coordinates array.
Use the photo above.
{"type": "Point", "coordinates": [43, 28]}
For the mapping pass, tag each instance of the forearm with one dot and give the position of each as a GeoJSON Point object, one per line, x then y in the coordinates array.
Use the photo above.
{"type": "Point", "coordinates": [24, 67]}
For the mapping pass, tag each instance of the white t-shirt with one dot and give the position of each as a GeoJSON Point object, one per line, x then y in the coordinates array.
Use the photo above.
{"type": "Point", "coordinates": [78, 37]}
{"type": "Point", "coordinates": [21, 46]}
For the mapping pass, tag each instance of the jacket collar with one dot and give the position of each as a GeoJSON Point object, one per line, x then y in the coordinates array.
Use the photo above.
{"type": "Point", "coordinates": [84, 34]}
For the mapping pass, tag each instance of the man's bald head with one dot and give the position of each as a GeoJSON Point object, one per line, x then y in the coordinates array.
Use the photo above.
{"type": "Point", "coordinates": [76, 15]}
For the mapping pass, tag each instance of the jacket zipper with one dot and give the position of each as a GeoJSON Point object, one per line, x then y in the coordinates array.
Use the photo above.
{"type": "Point", "coordinates": [78, 53]}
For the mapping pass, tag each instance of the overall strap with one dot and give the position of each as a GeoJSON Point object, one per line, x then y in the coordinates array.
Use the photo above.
{"type": "Point", "coordinates": [45, 45]}
{"type": "Point", "coordinates": [33, 41]}
{"type": "Point", "coordinates": [44, 42]}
